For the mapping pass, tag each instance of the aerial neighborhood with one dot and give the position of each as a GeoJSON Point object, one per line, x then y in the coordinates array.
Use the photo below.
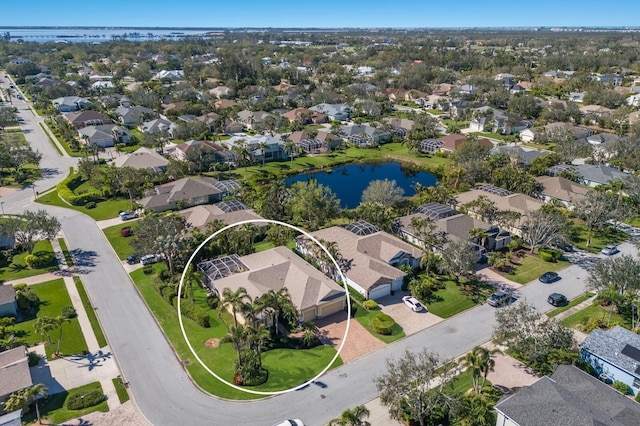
{"type": "Point", "coordinates": [253, 212]}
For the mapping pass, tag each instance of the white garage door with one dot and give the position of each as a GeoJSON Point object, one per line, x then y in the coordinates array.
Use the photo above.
{"type": "Point", "coordinates": [380, 291]}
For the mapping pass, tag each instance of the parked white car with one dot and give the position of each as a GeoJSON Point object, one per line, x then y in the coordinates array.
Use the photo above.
{"type": "Point", "coordinates": [128, 215]}
{"type": "Point", "coordinates": [149, 259]}
{"type": "Point", "coordinates": [412, 303]}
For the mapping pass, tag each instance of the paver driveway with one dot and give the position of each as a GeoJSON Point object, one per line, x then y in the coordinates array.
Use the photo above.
{"type": "Point", "coordinates": [359, 341]}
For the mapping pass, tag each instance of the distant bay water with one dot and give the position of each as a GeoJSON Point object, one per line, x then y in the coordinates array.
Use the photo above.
{"type": "Point", "coordinates": [98, 35]}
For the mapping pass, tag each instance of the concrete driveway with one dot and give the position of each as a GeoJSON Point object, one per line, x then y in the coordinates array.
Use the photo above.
{"type": "Point", "coordinates": [359, 341]}
{"type": "Point", "coordinates": [411, 322]}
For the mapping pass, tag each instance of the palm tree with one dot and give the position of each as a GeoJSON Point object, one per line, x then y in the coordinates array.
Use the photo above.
{"type": "Point", "coordinates": [237, 336]}
{"type": "Point", "coordinates": [34, 393]}
{"type": "Point", "coordinates": [193, 276]}
{"type": "Point", "coordinates": [479, 236]}
{"type": "Point", "coordinates": [263, 147]}
{"type": "Point", "coordinates": [479, 361]}
{"type": "Point", "coordinates": [44, 326]}
{"type": "Point", "coordinates": [279, 303]}
{"type": "Point", "coordinates": [352, 417]}
{"type": "Point", "coordinates": [612, 297]}
{"type": "Point", "coordinates": [235, 299]}
{"type": "Point", "coordinates": [290, 147]}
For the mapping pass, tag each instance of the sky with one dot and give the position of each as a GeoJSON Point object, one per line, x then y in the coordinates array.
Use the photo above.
{"type": "Point", "coordinates": [322, 14]}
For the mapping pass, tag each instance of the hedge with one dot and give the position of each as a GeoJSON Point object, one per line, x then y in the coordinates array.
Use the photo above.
{"type": "Point", "coordinates": [194, 312]}
{"type": "Point", "coordinates": [369, 304]}
{"type": "Point", "coordinates": [71, 197]}
{"type": "Point", "coordinates": [550, 255]}
{"type": "Point", "coordinates": [85, 399]}
{"type": "Point", "coordinates": [383, 324]}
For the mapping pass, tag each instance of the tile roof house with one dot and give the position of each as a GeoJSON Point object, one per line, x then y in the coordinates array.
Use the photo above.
{"type": "Point", "coordinates": [364, 135]}
{"type": "Point", "coordinates": [225, 103]}
{"type": "Point", "coordinates": [570, 397]}
{"type": "Point", "coordinates": [305, 116]}
{"type": "Point", "coordinates": [173, 75]}
{"type": "Point", "coordinates": [598, 174]}
{"type": "Point", "coordinates": [8, 304]}
{"type": "Point", "coordinates": [229, 212]}
{"type": "Point", "coordinates": [518, 154]}
{"type": "Point", "coordinates": [142, 158]}
{"type": "Point", "coordinates": [562, 189]}
{"type": "Point", "coordinates": [134, 115]}
{"type": "Point", "coordinates": [187, 192]}
{"type": "Point", "coordinates": [157, 125]}
{"type": "Point", "coordinates": [106, 135]}
{"type": "Point", "coordinates": [14, 371]}
{"type": "Point", "coordinates": [274, 147]}
{"type": "Point", "coordinates": [70, 103]}
{"type": "Point", "coordinates": [322, 142]}
{"type": "Point", "coordinates": [220, 91]}
{"type": "Point", "coordinates": [333, 111]}
{"type": "Point", "coordinates": [253, 120]}
{"type": "Point", "coordinates": [314, 295]}
{"type": "Point", "coordinates": [370, 257]}
{"type": "Point", "coordinates": [504, 201]}
{"type": "Point", "coordinates": [615, 355]}
{"type": "Point", "coordinates": [86, 118]}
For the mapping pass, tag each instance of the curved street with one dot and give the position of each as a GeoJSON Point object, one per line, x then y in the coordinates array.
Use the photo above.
{"type": "Point", "coordinates": [159, 384]}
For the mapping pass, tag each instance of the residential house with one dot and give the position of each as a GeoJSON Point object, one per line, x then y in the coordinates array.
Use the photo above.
{"type": "Point", "coordinates": [401, 126]}
{"type": "Point", "coordinates": [14, 372]}
{"type": "Point", "coordinates": [70, 103]}
{"type": "Point", "coordinates": [329, 140]}
{"type": "Point", "coordinates": [305, 116]}
{"type": "Point", "coordinates": [321, 142]}
{"type": "Point", "coordinates": [614, 355]}
{"type": "Point", "coordinates": [609, 79]}
{"type": "Point", "coordinates": [595, 113]}
{"type": "Point", "coordinates": [602, 144]}
{"type": "Point", "coordinates": [370, 257]}
{"type": "Point", "coordinates": [517, 88]}
{"type": "Point", "coordinates": [13, 418]}
{"type": "Point", "coordinates": [562, 189]}
{"type": "Point", "coordinates": [173, 75]}
{"type": "Point", "coordinates": [529, 135]}
{"type": "Point", "coordinates": [253, 120]}
{"type": "Point", "coordinates": [143, 158]}
{"type": "Point", "coordinates": [633, 100]}
{"type": "Point", "coordinates": [430, 145]}
{"type": "Point", "coordinates": [364, 135]}
{"type": "Point", "coordinates": [133, 115]}
{"type": "Point", "coordinates": [106, 135]}
{"type": "Point", "coordinates": [570, 397]}
{"type": "Point", "coordinates": [479, 124]}
{"type": "Point", "coordinates": [520, 204]}
{"type": "Point", "coordinates": [261, 147]}
{"type": "Point", "coordinates": [312, 293]}
{"type": "Point", "coordinates": [466, 89]}
{"type": "Point", "coordinates": [339, 112]}
{"type": "Point", "coordinates": [225, 104]}
{"type": "Point", "coordinates": [174, 106]}
{"type": "Point", "coordinates": [220, 92]}
{"type": "Point", "coordinates": [458, 109]}
{"type": "Point", "coordinates": [450, 225]}
{"type": "Point", "coordinates": [187, 192]}
{"type": "Point", "coordinates": [8, 304]}
{"type": "Point", "coordinates": [598, 174]}
{"type": "Point", "coordinates": [602, 138]}
{"type": "Point", "coordinates": [228, 212]}
{"type": "Point", "coordinates": [505, 79]}
{"type": "Point", "coordinates": [85, 118]}
{"type": "Point", "coordinates": [158, 125]}
{"type": "Point", "coordinates": [507, 124]}
{"type": "Point", "coordinates": [518, 154]}
{"type": "Point", "coordinates": [577, 97]}
{"type": "Point", "coordinates": [210, 119]}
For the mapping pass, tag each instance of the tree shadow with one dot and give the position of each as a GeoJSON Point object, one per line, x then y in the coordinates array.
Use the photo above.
{"type": "Point", "coordinates": [83, 258]}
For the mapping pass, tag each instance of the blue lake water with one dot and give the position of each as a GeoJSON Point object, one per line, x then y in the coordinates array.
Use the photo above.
{"type": "Point", "coordinates": [348, 182]}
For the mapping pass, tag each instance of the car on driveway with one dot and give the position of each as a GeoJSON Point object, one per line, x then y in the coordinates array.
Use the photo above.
{"type": "Point", "coordinates": [499, 298]}
{"type": "Point", "coordinates": [128, 215]}
{"type": "Point", "coordinates": [412, 303]}
{"type": "Point", "coordinates": [549, 277]}
{"type": "Point", "coordinates": [557, 299]}
{"type": "Point", "coordinates": [149, 259]}
{"type": "Point", "coordinates": [132, 259]}
{"type": "Point", "coordinates": [610, 250]}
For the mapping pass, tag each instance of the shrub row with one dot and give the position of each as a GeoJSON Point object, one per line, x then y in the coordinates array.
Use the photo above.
{"type": "Point", "coordinates": [369, 304]}
{"type": "Point", "coordinates": [82, 400]}
{"type": "Point", "coordinates": [194, 312]}
{"type": "Point", "coordinates": [550, 255]}
{"type": "Point", "coordinates": [65, 192]}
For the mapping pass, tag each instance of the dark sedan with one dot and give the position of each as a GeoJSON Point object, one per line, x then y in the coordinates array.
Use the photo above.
{"type": "Point", "coordinates": [549, 277]}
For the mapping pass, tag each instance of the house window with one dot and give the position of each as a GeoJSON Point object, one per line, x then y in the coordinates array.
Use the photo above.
{"type": "Point", "coordinates": [636, 383]}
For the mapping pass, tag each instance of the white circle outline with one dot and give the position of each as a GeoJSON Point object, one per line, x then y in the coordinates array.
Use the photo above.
{"type": "Point", "coordinates": [345, 285]}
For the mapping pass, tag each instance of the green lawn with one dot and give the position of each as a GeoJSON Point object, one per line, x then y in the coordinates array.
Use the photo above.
{"type": "Point", "coordinates": [93, 319]}
{"type": "Point", "coordinates": [106, 209]}
{"type": "Point", "coordinates": [453, 299]}
{"type": "Point", "coordinates": [54, 129]}
{"type": "Point", "coordinates": [65, 252]}
{"type": "Point", "coordinates": [123, 395]}
{"type": "Point", "coordinates": [365, 317]}
{"type": "Point", "coordinates": [299, 365]}
{"type": "Point", "coordinates": [55, 145]}
{"type": "Point", "coordinates": [530, 267]}
{"type": "Point", "coordinates": [492, 135]}
{"type": "Point", "coordinates": [266, 245]}
{"type": "Point", "coordinates": [120, 244]}
{"type": "Point", "coordinates": [17, 269]}
{"type": "Point", "coordinates": [55, 409]}
{"type": "Point", "coordinates": [599, 238]}
{"type": "Point", "coordinates": [595, 311]}
{"type": "Point", "coordinates": [53, 297]}
{"type": "Point", "coordinates": [570, 305]}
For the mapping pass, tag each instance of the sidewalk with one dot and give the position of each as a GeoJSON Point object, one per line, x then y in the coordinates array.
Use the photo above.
{"type": "Point", "coordinates": [574, 309]}
{"type": "Point", "coordinates": [98, 365]}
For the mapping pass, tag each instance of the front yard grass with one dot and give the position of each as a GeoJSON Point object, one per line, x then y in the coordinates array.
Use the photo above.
{"type": "Point", "coordinates": [598, 312]}
{"type": "Point", "coordinates": [365, 317]}
{"type": "Point", "coordinates": [530, 267]}
{"type": "Point", "coordinates": [54, 408]}
{"type": "Point", "coordinates": [119, 243]}
{"type": "Point", "coordinates": [452, 299]}
{"type": "Point", "coordinates": [570, 305]}
{"type": "Point", "coordinates": [53, 297]}
{"type": "Point", "coordinates": [121, 390]}
{"type": "Point", "coordinates": [287, 367]}
{"type": "Point", "coordinates": [65, 252]}
{"type": "Point", "coordinates": [91, 313]}
{"type": "Point", "coordinates": [105, 209]}
{"type": "Point", "coordinates": [18, 269]}
{"type": "Point", "coordinates": [599, 238]}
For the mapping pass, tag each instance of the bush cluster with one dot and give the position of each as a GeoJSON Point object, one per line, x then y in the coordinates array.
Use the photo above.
{"type": "Point", "coordinates": [90, 205]}
{"type": "Point", "coordinates": [69, 312]}
{"type": "Point", "coordinates": [621, 387]}
{"type": "Point", "coordinates": [194, 312]}
{"type": "Point", "coordinates": [65, 192]}
{"type": "Point", "coordinates": [383, 324]}
{"type": "Point", "coordinates": [82, 400]}
{"type": "Point", "coordinates": [40, 260]}
{"type": "Point", "coordinates": [369, 304]}
{"type": "Point", "coordinates": [126, 232]}
{"type": "Point", "coordinates": [549, 254]}
{"type": "Point", "coordinates": [26, 299]}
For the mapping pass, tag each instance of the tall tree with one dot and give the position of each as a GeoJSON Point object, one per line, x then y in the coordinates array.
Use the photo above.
{"type": "Point", "coordinates": [352, 417]}
{"type": "Point", "coordinates": [479, 361]}
{"type": "Point", "coordinates": [544, 227]}
{"type": "Point", "coordinates": [596, 208]}
{"type": "Point", "coordinates": [311, 204]}
{"type": "Point", "coordinates": [408, 388]}
{"type": "Point", "coordinates": [386, 192]}
{"type": "Point", "coordinates": [31, 227]}
{"type": "Point", "coordinates": [235, 300]}
{"type": "Point", "coordinates": [163, 235]}
{"type": "Point", "coordinates": [279, 304]}
{"type": "Point", "coordinates": [458, 258]}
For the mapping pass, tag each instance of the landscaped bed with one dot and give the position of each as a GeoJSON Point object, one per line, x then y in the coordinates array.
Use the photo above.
{"type": "Point", "coordinates": [595, 313]}
{"type": "Point", "coordinates": [119, 243]}
{"type": "Point", "coordinates": [453, 298]}
{"type": "Point", "coordinates": [54, 407]}
{"type": "Point", "coordinates": [528, 267]}
{"type": "Point", "coordinates": [365, 318]}
{"type": "Point", "coordinates": [18, 269]}
{"type": "Point", "coordinates": [105, 209]}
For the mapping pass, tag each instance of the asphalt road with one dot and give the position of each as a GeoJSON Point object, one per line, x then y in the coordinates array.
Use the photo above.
{"type": "Point", "coordinates": [160, 385]}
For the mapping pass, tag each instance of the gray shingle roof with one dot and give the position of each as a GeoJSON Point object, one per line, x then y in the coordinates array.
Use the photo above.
{"type": "Point", "coordinates": [570, 397]}
{"type": "Point", "coordinates": [599, 173]}
{"type": "Point", "coordinates": [7, 294]}
{"type": "Point", "coordinates": [14, 370]}
{"type": "Point", "coordinates": [612, 346]}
